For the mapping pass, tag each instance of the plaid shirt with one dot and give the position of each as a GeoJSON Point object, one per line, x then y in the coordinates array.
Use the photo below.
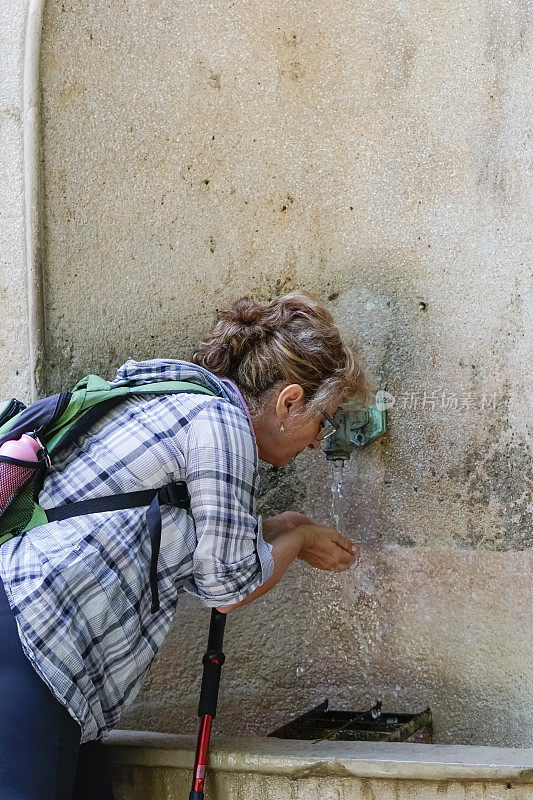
{"type": "Point", "coordinates": [79, 588]}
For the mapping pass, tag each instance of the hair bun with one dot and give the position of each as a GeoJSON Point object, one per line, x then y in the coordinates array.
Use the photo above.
{"type": "Point", "coordinates": [291, 339]}
{"type": "Point", "coordinates": [250, 317]}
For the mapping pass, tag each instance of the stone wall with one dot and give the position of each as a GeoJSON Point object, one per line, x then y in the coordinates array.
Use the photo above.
{"type": "Point", "coordinates": [14, 341]}
{"type": "Point", "coordinates": [375, 155]}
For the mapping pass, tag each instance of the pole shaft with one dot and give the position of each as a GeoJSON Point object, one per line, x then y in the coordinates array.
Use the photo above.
{"type": "Point", "coordinates": [200, 761]}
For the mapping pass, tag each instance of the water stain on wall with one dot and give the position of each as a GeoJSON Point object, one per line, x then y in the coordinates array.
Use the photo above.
{"type": "Point", "coordinates": [498, 475]}
{"type": "Point", "coordinates": [291, 65]}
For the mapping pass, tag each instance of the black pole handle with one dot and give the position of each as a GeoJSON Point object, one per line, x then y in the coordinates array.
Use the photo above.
{"type": "Point", "coordinates": [216, 630]}
{"type": "Point", "coordinates": [213, 660]}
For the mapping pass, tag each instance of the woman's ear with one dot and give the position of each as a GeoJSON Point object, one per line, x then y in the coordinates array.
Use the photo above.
{"type": "Point", "coordinates": [292, 395]}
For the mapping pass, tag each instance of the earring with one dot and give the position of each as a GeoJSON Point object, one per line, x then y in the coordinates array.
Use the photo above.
{"type": "Point", "coordinates": [282, 428]}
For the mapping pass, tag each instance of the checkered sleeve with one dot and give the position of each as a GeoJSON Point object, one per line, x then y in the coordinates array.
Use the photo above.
{"type": "Point", "coordinates": [231, 558]}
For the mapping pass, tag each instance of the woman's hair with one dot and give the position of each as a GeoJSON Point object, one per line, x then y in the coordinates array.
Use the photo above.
{"type": "Point", "coordinates": [291, 339]}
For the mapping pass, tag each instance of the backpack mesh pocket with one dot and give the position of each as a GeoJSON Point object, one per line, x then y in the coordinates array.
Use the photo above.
{"type": "Point", "coordinates": [18, 481]}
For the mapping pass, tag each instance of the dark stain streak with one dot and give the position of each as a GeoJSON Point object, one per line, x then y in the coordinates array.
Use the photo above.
{"type": "Point", "coordinates": [294, 69]}
{"type": "Point", "coordinates": [498, 476]}
{"type": "Point", "coordinates": [289, 200]}
{"type": "Point", "coordinates": [214, 80]}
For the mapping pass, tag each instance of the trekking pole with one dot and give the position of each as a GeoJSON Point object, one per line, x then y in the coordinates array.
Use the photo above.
{"type": "Point", "coordinates": [207, 707]}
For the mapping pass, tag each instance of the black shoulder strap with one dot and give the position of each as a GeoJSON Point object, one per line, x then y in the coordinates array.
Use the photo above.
{"type": "Point", "coordinates": [174, 494]}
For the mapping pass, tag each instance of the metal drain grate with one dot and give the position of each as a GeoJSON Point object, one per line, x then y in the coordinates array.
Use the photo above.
{"type": "Point", "coordinates": [373, 725]}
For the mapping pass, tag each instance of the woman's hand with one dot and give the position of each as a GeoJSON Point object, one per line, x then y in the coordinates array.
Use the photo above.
{"type": "Point", "coordinates": [320, 546]}
{"type": "Point", "coordinates": [325, 548]}
{"type": "Point", "coordinates": [281, 523]}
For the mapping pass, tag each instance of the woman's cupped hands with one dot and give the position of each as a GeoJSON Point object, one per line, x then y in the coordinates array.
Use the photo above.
{"type": "Point", "coordinates": [322, 547]}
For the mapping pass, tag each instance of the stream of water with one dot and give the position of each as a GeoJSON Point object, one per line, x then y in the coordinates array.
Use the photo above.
{"type": "Point", "coordinates": [336, 495]}
{"type": "Point", "coordinates": [346, 578]}
{"type": "Point", "coordinates": [360, 604]}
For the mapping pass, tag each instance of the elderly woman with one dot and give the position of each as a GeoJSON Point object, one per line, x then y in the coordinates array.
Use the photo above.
{"type": "Point", "coordinates": [77, 633]}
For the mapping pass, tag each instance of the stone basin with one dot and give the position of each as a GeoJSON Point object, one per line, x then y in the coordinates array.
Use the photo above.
{"type": "Point", "coordinates": [158, 766]}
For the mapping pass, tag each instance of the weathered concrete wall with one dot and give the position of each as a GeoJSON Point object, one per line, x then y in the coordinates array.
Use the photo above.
{"type": "Point", "coordinates": [377, 156]}
{"type": "Point", "coordinates": [14, 357]}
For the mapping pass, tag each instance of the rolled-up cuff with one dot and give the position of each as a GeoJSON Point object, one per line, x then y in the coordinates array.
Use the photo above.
{"type": "Point", "coordinates": [266, 563]}
{"type": "Point", "coordinates": [264, 551]}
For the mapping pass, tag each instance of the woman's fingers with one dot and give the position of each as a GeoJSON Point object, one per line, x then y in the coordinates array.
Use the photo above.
{"type": "Point", "coordinates": [346, 544]}
{"type": "Point", "coordinates": [325, 548]}
{"type": "Point", "coordinates": [347, 552]}
{"type": "Point", "coordinates": [345, 559]}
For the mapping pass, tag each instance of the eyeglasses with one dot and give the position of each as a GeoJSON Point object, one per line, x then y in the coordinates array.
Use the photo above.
{"type": "Point", "coordinates": [327, 430]}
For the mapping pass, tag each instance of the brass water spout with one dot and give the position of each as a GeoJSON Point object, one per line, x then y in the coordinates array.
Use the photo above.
{"type": "Point", "coordinates": [357, 428]}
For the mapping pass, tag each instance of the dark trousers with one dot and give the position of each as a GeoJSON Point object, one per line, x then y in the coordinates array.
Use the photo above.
{"type": "Point", "coordinates": [40, 753]}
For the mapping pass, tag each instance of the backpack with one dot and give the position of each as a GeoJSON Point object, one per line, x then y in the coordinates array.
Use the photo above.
{"type": "Point", "coordinates": [56, 422]}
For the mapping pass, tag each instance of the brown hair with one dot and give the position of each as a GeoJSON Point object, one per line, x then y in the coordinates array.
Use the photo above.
{"type": "Point", "coordinates": [291, 339]}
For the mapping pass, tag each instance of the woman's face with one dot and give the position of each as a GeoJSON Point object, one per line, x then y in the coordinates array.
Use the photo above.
{"type": "Point", "coordinates": [278, 447]}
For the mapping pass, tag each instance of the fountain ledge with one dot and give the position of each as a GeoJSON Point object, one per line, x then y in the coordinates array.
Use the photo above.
{"type": "Point", "coordinates": [299, 759]}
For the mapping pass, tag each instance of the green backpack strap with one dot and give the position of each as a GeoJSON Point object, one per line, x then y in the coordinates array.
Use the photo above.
{"type": "Point", "coordinates": [92, 391]}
